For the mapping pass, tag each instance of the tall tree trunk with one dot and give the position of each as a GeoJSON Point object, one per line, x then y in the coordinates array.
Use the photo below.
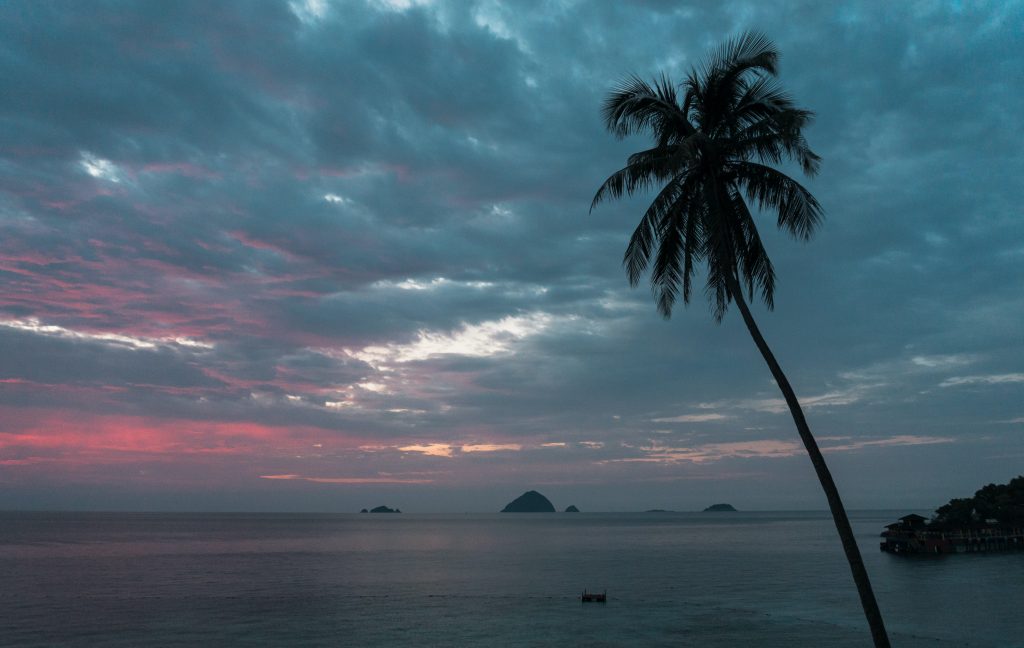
{"type": "Point", "coordinates": [835, 504]}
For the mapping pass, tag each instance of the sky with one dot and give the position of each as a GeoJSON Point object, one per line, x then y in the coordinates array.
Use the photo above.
{"type": "Point", "coordinates": [320, 256]}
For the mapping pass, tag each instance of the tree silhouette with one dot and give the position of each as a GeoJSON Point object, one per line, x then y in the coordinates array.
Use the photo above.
{"type": "Point", "coordinates": [716, 138]}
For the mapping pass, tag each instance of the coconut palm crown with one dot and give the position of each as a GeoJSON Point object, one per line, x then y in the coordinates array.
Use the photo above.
{"type": "Point", "coordinates": [716, 138]}
{"type": "Point", "coordinates": [714, 144]}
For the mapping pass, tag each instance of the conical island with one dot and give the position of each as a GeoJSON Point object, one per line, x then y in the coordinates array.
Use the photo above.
{"type": "Point", "coordinates": [529, 502]}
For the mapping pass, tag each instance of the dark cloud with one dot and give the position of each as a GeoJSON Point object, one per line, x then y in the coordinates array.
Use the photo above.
{"type": "Point", "coordinates": [36, 358]}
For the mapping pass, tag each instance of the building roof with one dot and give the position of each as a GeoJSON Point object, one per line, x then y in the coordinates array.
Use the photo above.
{"type": "Point", "coordinates": [913, 517]}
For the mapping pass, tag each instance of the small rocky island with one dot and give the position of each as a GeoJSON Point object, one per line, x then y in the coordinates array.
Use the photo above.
{"type": "Point", "coordinates": [720, 508]}
{"type": "Point", "coordinates": [572, 509]}
{"type": "Point", "coordinates": [529, 502]}
{"type": "Point", "coordinates": [381, 509]}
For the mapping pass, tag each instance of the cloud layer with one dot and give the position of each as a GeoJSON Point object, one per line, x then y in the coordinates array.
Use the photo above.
{"type": "Point", "coordinates": [304, 254]}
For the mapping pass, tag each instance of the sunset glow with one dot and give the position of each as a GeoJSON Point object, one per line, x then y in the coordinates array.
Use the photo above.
{"type": "Point", "coordinates": [309, 255]}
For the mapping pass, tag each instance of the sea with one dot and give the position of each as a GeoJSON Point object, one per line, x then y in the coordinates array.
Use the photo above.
{"type": "Point", "coordinates": [366, 580]}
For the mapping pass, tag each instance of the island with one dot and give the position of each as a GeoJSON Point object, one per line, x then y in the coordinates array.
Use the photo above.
{"type": "Point", "coordinates": [529, 502]}
{"type": "Point", "coordinates": [383, 509]}
{"type": "Point", "coordinates": [572, 509]}
{"type": "Point", "coordinates": [658, 511]}
{"type": "Point", "coordinates": [992, 520]}
{"type": "Point", "coordinates": [720, 508]}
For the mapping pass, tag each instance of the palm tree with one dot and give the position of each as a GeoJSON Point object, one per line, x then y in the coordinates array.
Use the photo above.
{"type": "Point", "coordinates": [716, 138]}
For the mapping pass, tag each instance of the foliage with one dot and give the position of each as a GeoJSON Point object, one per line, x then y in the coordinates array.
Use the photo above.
{"type": "Point", "coordinates": [716, 137]}
{"type": "Point", "coordinates": [1003, 503]}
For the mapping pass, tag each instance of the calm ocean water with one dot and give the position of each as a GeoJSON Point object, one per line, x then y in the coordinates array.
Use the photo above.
{"type": "Point", "coordinates": [679, 579]}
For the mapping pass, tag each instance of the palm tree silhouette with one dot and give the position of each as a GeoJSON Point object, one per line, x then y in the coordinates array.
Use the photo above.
{"type": "Point", "coordinates": [713, 150]}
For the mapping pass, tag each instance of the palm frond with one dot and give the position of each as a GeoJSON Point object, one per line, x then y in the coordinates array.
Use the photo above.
{"type": "Point", "coordinates": [637, 106]}
{"type": "Point", "coordinates": [691, 96]}
{"type": "Point", "coordinates": [716, 288]}
{"type": "Point", "coordinates": [750, 50]}
{"type": "Point", "coordinates": [716, 137]}
{"type": "Point", "coordinates": [667, 160]}
{"type": "Point", "coordinates": [645, 237]}
{"type": "Point", "coordinates": [776, 137]}
{"type": "Point", "coordinates": [754, 267]}
{"type": "Point", "coordinates": [799, 212]}
{"type": "Point", "coordinates": [641, 172]}
{"type": "Point", "coordinates": [762, 99]}
{"type": "Point", "coordinates": [791, 123]}
{"type": "Point", "coordinates": [719, 245]}
{"type": "Point", "coordinates": [666, 274]}
{"type": "Point", "coordinates": [679, 246]}
{"type": "Point", "coordinates": [693, 251]}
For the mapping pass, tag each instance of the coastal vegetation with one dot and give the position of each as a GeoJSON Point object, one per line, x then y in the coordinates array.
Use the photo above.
{"type": "Point", "coordinates": [992, 520]}
{"type": "Point", "coordinates": [993, 505]}
{"type": "Point", "coordinates": [717, 138]}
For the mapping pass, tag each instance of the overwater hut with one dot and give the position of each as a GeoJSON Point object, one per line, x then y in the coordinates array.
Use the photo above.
{"type": "Point", "coordinates": [912, 535]}
{"type": "Point", "coordinates": [913, 522]}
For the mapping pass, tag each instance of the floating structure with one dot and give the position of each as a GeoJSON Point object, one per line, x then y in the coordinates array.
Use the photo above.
{"type": "Point", "coordinates": [594, 597]}
{"type": "Point", "coordinates": [913, 535]}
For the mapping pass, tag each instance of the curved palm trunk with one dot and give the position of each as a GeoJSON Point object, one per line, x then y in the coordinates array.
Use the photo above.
{"type": "Point", "coordinates": [835, 504]}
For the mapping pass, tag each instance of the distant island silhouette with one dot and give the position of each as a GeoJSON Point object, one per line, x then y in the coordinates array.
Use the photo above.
{"type": "Point", "coordinates": [572, 509]}
{"type": "Point", "coordinates": [658, 511]}
{"type": "Point", "coordinates": [381, 509]}
{"type": "Point", "coordinates": [720, 508]}
{"type": "Point", "coordinates": [529, 502]}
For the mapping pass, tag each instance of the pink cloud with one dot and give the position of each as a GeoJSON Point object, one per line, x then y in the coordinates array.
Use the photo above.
{"type": "Point", "coordinates": [258, 244]}
{"type": "Point", "coordinates": [78, 437]}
